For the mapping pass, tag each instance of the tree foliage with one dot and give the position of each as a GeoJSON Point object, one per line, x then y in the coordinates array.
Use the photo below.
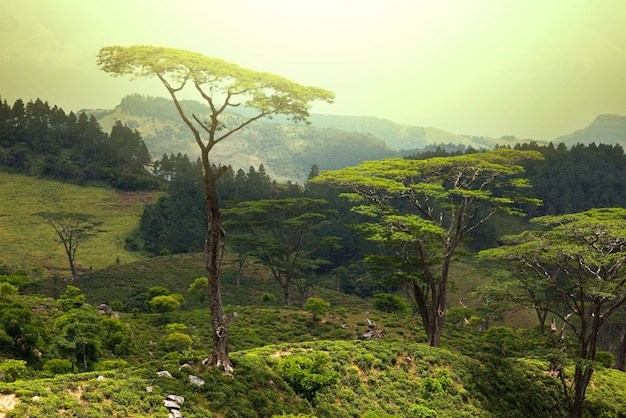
{"type": "Point", "coordinates": [422, 210]}
{"type": "Point", "coordinates": [580, 258]}
{"type": "Point", "coordinates": [282, 235]}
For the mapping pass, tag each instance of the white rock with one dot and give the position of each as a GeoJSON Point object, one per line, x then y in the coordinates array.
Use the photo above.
{"type": "Point", "coordinates": [178, 399]}
{"type": "Point", "coordinates": [196, 380]}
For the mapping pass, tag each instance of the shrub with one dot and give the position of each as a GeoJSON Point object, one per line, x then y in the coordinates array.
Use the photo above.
{"type": "Point", "coordinates": [110, 365]}
{"type": "Point", "coordinates": [317, 306]}
{"type": "Point", "coordinates": [268, 298]}
{"type": "Point", "coordinates": [58, 366]}
{"type": "Point", "coordinates": [420, 411]}
{"type": "Point", "coordinates": [177, 341]}
{"type": "Point", "coordinates": [13, 369]}
{"type": "Point", "coordinates": [117, 305]}
{"type": "Point", "coordinates": [387, 302]}
{"type": "Point", "coordinates": [307, 374]}
{"type": "Point", "coordinates": [605, 358]}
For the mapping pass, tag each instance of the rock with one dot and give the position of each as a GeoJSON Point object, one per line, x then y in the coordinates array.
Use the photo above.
{"type": "Point", "coordinates": [164, 373]}
{"type": "Point", "coordinates": [196, 380]}
{"type": "Point", "coordinates": [149, 389]}
{"type": "Point", "coordinates": [185, 366]}
{"type": "Point", "coordinates": [175, 413]}
{"type": "Point", "coordinates": [104, 309]}
{"type": "Point", "coordinates": [101, 378]}
{"type": "Point", "coordinates": [178, 399]}
{"type": "Point", "coordinates": [171, 404]}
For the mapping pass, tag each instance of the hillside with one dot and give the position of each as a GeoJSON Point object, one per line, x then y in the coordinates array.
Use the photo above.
{"type": "Point", "coordinates": [605, 129]}
{"type": "Point", "coordinates": [26, 240]}
{"type": "Point", "coordinates": [286, 150]}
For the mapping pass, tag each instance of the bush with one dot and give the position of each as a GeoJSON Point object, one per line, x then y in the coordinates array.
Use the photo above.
{"type": "Point", "coordinates": [177, 341]}
{"type": "Point", "coordinates": [386, 302]}
{"type": "Point", "coordinates": [58, 366]}
{"type": "Point", "coordinates": [307, 374]}
{"type": "Point", "coordinates": [605, 358]}
{"type": "Point", "coordinates": [268, 298]}
{"type": "Point", "coordinates": [317, 306]}
{"type": "Point", "coordinates": [12, 369]}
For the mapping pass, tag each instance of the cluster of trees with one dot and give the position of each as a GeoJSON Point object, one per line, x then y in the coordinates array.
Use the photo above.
{"type": "Point", "coordinates": [44, 141]}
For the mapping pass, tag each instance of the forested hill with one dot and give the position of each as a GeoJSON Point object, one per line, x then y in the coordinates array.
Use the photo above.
{"type": "Point", "coordinates": [605, 129]}
{"type": "Point", "coordinates": [286, 150]}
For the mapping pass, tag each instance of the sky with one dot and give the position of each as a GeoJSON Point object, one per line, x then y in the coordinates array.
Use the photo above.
{"type": "Point", "coordinates": [534, 69]}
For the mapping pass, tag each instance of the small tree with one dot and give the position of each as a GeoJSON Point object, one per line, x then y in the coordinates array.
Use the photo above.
{"type": "Point", "coordinates": [283, 235]}
{"type": "Point", "coordinates": [165, 304]}
{"type": "Point", "coordinates": [317, 306]}
{"type": "Point", "coordinates": [72, 229]}
{"type": "Point", "coordinates": [19, 323]}
{"type": "Point", "coordinates": [78, 335]}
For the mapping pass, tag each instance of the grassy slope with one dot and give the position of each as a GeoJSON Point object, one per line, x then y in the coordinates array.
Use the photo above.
{"type": "Point", "coordinates": [397, 376]}
{"type": "Point", "coordinates": [26, 240]}
{"type": "Point", "coordinates": [374, 379]}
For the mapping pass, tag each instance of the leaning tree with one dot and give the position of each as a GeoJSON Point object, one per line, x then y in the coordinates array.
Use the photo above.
{"type": "Point", "coordinates": [222, 85]}
{"type": "Point", "coordinates": [422, 210]}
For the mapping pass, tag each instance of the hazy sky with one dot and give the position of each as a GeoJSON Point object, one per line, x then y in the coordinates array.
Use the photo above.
{"type": "Point", "coordinates": [531, 68]}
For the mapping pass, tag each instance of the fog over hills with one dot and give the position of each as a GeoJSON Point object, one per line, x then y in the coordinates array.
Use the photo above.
{"type": "Point", "coordinates": [605, 129]}
{"type": "Point", "coordinates": [287, 150]}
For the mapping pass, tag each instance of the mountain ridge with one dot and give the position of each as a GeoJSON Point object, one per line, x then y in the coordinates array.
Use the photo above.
{"type": "Point", "coordinates": [606, 128]}
{"type": "Point", "coordinates": [288, 150]}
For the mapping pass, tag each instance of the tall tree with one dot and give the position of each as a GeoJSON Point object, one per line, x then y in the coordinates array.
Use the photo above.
{"type": "Point", "coordinates": [282, 234]}
{"type": "Point", "coordinates": [423, 209]}
{"type": "Point", "coordinates": [581, 258]}
{"type": "Point", "coordinates": [222, 85]}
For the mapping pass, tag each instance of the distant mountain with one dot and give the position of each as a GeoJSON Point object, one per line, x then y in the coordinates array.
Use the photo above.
{"type": "Point", "coordinates": [286, 150]}
{"type": "Point", "coordinates": [605, 129]}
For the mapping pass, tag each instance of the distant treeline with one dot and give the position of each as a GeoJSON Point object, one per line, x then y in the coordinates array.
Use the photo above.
{"type": "Point", "coordinates": [43, 141]}
{"type": "Point", "coordinates": [567, 180]}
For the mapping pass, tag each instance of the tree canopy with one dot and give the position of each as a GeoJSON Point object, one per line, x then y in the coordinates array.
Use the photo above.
{"type": "Point", "coordinates": [580, 258]}
{"type": "Point", "coordinates": [421, 210]}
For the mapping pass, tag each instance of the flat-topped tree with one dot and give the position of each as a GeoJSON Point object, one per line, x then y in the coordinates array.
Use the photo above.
{"type": "Point", "coordinates": [581, 259]}
{"type": "Point", "coordinates": [222, 85]}
{"type": "Point", "coordinates": [421, 210]}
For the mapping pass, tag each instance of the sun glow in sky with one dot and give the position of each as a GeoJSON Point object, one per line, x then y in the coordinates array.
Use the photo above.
{"type": "Point", "coordinates": [530, 68]}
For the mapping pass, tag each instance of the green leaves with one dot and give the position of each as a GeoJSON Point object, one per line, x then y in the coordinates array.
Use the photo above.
{"type": "Point", "coordinates": [266, 92]}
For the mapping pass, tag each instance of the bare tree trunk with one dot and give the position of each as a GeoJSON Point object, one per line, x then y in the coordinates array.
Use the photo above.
{"type": "Point", "coordinates": [213, 252]}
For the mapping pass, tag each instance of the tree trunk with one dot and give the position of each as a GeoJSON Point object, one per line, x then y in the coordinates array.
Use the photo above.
{"type": "Point", "coordinates": [620, 358]}
{"type": "Point", "coordinates": [213, 252]}
{"type": "Point", "coordinates": [438, 304]}
{"type": "Point", "coordinates": [582, 377]}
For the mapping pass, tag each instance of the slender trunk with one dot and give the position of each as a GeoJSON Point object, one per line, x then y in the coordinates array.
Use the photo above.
{"type": "Point", "coordinates": [85, 355]}
{"type": "Point", "coordinates": [582, 376]}
{"type": "Point", "coordinates": [620, 357]}
{"type": "Point", "coordinates": [287, 291]}
{"type": "Point", "coordinates": [438, 305]}
{"type": "Point", "coordinates": [213, 252]}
